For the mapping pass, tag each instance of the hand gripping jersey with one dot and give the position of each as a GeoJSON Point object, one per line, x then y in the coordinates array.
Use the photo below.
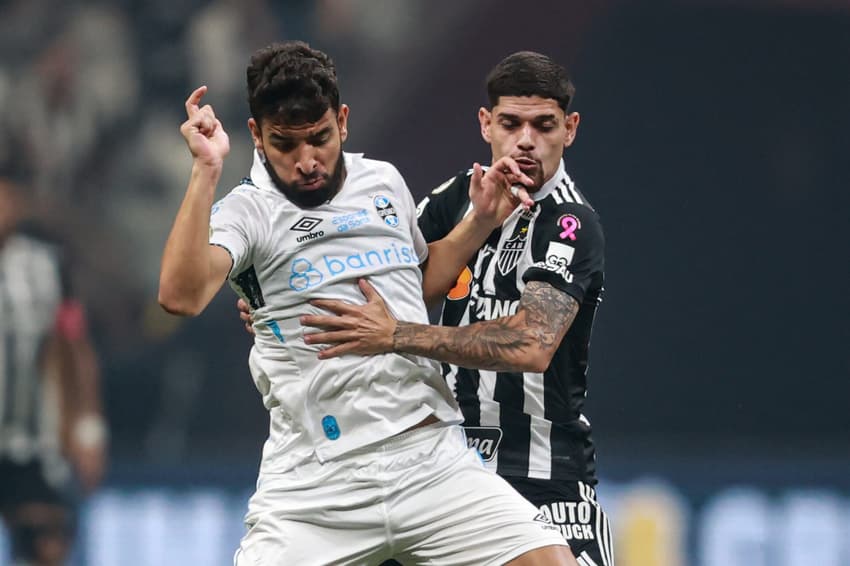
{"type": "Point", "coordinates": [285, 256]}
{"type": "Point", "coordinates": [526, 424]}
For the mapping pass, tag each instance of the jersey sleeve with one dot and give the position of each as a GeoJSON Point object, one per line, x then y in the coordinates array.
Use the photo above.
{"type": "Point", "coordinates": [236, 223]}
{"type": "Point", "coordinates": [568, 252]}
{"type": "Point", "coordinates": [439, 211]}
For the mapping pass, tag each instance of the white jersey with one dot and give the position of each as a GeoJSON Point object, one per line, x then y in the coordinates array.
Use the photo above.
{"type": "Point", "coordinates": [284, 257]}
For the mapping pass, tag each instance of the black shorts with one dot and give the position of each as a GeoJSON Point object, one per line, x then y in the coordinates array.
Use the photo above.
{"type": "Point", "coordinates": [33, 482]}
{"type": "Point", "coordinates": [572, 506]}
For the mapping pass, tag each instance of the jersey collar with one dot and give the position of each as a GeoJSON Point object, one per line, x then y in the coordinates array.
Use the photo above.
{"type": "Point", "coordinates": [549, 186]}
{"type": "Point", "coordinates": [259, 175]}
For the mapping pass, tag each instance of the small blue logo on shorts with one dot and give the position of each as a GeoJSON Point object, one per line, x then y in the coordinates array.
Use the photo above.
{"type": "Point", "coordinates": [330, 427]}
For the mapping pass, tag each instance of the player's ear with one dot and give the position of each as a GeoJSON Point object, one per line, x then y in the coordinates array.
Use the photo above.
{"type": "Point", "coordinates": [342, 121]}
{"type": "Point", "coordinates": [571, 123]}
{"type": "Point", "coordinates": [485, 119]}
{"type": "Point", "coordinates": [256, 136]}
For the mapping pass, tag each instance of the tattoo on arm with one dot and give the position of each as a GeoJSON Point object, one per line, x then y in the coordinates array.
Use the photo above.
{"type": "Point", "coordinates": [549, 312]}
{"type": "Point", "coordinates": [504, 344]}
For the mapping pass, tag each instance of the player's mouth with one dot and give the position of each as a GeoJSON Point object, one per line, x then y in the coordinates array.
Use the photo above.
{"type": "Point", "coordinates": [526, 164]}
{"type": "Point", "coordinates": [313, 184]}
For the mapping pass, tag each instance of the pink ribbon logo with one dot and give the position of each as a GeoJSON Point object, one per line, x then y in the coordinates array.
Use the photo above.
{"type": "Point", "coordinates": [570, 224]}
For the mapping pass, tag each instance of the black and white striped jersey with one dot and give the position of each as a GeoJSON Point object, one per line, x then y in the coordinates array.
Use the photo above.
{"type": "Point", "coordinates": [526, 424]}
{"type": "Point", "coordinates": [32, 288]}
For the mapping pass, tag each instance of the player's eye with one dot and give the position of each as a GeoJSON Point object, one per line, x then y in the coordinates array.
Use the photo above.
{"type": "Point", "coordinates": [284, 145]}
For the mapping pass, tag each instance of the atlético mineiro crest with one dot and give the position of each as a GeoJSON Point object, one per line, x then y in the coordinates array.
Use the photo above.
{"type": "Point", "coordinates": [511, 252]}
{"type": "Point", "coordinates": [386, 210]}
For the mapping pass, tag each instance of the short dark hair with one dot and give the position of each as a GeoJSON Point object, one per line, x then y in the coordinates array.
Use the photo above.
{"type": "Point", "coordinates": [292, 82]}
{"type": "Point", "coordinates": [526, 73]}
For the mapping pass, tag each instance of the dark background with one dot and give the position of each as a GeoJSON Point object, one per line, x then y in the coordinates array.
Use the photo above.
{"type": "Point", "coordinates": [712, 143]}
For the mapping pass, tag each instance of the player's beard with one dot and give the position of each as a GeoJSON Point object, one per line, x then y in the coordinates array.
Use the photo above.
{"type": "Point", "coordinates": [311, 199]}
{"type": "Point", "coordinates": [538, 179]}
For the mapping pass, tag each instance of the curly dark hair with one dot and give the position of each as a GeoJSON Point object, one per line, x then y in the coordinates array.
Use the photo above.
{"type": "Point", "coordinates": [526, 73]}
{"type": "Point", "coordinates": [291, 82]}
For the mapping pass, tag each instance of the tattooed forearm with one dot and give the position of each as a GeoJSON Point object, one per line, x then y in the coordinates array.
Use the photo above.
{"type": "Point", "coordinates": [513, 343]}
{"type": "Point", "coordinates": [483, 345]}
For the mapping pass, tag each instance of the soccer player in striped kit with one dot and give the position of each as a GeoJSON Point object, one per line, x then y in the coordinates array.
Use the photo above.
{"type": "Point", "coordinates": [50, 413]}
{"type": "Point", "coordinates": [516, 326]}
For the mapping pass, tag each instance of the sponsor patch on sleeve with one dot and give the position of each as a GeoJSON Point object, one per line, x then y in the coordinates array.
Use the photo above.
{"type": "Point", "coordinates": [558, 258]}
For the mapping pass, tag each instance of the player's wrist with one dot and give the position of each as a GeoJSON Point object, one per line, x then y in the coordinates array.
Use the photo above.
{"type": "Point", "coordinates": [395, 337]}
{"type": "Point", "coordinates": [483, 222]}
{"type": "Point", "coordinates": [207, 168]}
{"type": "Point", "coordinates": [90, 431]}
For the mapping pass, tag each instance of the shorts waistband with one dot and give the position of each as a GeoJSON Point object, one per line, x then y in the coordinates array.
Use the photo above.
{"type": "Point", "coordinates": [410, 438]}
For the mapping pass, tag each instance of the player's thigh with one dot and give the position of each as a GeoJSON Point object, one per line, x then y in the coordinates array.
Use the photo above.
{"type": "Point", "coordinates": [326, 519]}
{"type": "Point", "coordinates": [273, 541]}
{"type": "Point", "coordinates": [468, 516]}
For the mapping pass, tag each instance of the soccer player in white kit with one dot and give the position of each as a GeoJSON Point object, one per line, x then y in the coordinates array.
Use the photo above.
{"type": "Point", "coordinates": [365, 458]}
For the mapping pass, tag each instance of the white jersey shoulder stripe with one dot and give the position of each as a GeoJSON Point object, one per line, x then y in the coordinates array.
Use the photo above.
{"type": "Point", "coordinates": [571, 187]}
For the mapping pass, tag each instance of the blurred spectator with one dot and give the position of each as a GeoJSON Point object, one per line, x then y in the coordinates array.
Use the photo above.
{"type": "Point", "coordinates": [50, 410]}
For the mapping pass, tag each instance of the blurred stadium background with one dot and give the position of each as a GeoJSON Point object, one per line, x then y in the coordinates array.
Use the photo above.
{"type": "Point", "coordinates": [714, 141]}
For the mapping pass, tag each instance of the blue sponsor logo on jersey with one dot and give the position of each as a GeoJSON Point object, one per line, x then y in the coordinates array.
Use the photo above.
{"type": "Point", "coordinates": [275, 328]}
{"type": "Point", "coordinates": [306, 274]}
{"type": "Point", "coordinates": [331, 427]}
{"type": "Point", "coordinates": [352, 221]}
{"type": "Point", "coordinates": [386, 210]}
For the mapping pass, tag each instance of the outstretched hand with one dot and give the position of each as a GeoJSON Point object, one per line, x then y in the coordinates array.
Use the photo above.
{"type": "Point", "coordinates": [352, 329]}
{"type": "Point", "coordinates": [497, 192]}
{"type": "Point", "coordinates": [203, 132]}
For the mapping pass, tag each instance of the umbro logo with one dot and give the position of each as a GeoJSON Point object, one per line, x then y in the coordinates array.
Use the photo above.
{"type": "Point", "coordinates": [545, 522]}
{"type": "Point", "coordinates": [306, 224]}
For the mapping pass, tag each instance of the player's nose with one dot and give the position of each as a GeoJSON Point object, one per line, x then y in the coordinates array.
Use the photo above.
{"type": "Point", "coordinates": [526, 138]}
{"type": "Point", "coordinates": [306, 162]}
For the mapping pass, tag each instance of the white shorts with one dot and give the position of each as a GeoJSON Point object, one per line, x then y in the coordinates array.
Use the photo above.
{"type": "Point", "coordinates": [422, 497]}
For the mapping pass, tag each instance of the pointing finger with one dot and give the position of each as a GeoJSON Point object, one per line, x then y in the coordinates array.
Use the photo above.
{"type": "Point", "coordinates": [194, 99]}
